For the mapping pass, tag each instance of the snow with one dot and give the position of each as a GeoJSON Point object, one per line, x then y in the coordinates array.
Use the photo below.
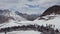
{"type": "Point", "coordinates": [12, 23]}
{"type": "Point", "coordinates": [55, 21]}
{"type": "Point", "coordinates": [23, 32]}
{"type": "Point", "coordinates": [17, 17]}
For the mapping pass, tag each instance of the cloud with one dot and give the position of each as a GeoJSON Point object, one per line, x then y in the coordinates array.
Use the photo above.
{"type": "Point", "coordinates": [30, 0]}
{"type": "Point", "coordinates": [28, 6]}
{"type": "Point", "coordinates": [32, 6]}
{"type": "Point", "coordinates": [9, 1]}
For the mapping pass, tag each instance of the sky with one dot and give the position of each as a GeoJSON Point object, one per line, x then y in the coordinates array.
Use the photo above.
{"type": "Point", "coordinates": [28, 6]}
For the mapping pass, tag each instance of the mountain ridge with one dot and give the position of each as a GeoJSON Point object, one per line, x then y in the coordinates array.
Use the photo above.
{"type": "Point", "coordinates": [54, 9]}
{"type": "Point", "coordinates": [50, 13]}
{"type": "Point", "coordinates": [6, 15]}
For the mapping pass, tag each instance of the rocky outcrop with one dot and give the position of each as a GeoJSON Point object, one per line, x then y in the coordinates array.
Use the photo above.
{"type": "Point", "coordinates": [3, 19]}
{"type": "Point", "coordinates": [54, 9]}
{"type": "Point", "coordinates": [4, 15]}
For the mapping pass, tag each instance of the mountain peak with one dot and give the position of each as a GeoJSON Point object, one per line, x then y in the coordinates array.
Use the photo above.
{"type": "Point", "coordinates": [54, 9]}
{"type": "Point", "coordinates": [50, 13]}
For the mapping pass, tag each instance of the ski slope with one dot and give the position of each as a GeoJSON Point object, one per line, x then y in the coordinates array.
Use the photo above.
{"type": "Point", "coordinates": [55, 21]}
{"type": "Point", "coordinates": [23, 32]}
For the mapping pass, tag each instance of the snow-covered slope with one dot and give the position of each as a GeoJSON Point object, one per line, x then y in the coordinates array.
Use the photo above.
{"type": "Point", "coordinates": [50, 16]}
{"type": "Point", "coordinates": [6, 15]}
{"type": "Point", "coordinates": [17, 17]}
{"type": "Point", "coordinates": [23, 32]}
{"type": "Point", "coordinates": [55, 21]}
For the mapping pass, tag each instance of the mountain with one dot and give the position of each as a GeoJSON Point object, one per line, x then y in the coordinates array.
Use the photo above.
{"type": "Point", "coordinates": [3, 19]}
{"type": "Point", "coordinates": [5, 12]}
{"type": "Point", "coordinates": [50, 17]}
{"type": "Point", "coordinates": [51, 12]}
{"type": "Point", "coordinates": [28, 17]}
{"type": "Point", "coordinates": [17, 17]}
{"type": "Point", "coordinates": [54, 9]}
{"type": "Point", "coordinates": [6, 15]}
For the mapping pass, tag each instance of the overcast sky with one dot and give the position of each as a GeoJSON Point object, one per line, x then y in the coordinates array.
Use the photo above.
{"type": "Point", "coordinates": [28, 6]}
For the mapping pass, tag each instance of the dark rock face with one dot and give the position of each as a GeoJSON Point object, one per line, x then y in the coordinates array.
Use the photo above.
{"type": "Point", "coordinates": [4, 16]}
{"type": "Point", "coordinates": [3, 19]}
{"type": "Point", "coordinates": [4, 12]}
{"type": "Point", "coordinates": [54, 9]}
